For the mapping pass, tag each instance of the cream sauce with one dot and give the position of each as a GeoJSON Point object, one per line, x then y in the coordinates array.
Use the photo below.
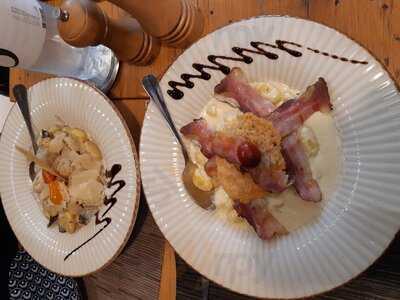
{"type": "Point", "coordinates": [288, 208]}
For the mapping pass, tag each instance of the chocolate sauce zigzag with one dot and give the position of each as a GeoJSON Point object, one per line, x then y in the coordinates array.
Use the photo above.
{"type": "Point", "coordinates": [110, 201]}
{"type": "Point", "coordinates": [259, 49]}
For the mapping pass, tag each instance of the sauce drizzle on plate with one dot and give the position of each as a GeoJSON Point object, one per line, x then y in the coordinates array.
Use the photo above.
{"type": "Point", "coordinates": [177, 94]}
{"type": "Point", "coordinates": [110, 201]}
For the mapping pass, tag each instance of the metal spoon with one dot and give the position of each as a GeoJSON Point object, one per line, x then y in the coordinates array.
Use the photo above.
{"type": "Point", "coordinates": [202, 198]}
{"type": "Point", "coordinates": [21, 95]}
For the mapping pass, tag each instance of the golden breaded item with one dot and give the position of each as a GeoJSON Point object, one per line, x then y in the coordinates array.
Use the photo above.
{"type": "Point", "coordinates": [239, 186]}
{"type": "Point", "coordinates": [260, 132]}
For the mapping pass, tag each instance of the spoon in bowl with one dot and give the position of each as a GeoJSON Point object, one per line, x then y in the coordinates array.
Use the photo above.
{"type": "Point", "coordinates": [21, 95]}
{"type": "Point", "coordinates": [202, 198]}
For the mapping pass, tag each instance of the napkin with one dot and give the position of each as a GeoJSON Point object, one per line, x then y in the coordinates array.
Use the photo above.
{"type": "Point", "coordinates": [5, 107]}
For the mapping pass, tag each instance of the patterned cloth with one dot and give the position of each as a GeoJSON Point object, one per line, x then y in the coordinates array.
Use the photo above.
{"type": "Point", "coordinates": [29, 280]}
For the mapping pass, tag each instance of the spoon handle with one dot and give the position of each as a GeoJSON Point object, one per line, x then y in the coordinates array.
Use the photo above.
{"type": "Point", "coordinates": [152, 87]}
{"type": "Point", "coordinates": [21, 95]}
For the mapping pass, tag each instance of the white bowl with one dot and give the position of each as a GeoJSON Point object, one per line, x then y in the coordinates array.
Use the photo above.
{"type": "Point", "coordinates": [358, 220]}
{"type": "Point", "coordinates": [81, 106]}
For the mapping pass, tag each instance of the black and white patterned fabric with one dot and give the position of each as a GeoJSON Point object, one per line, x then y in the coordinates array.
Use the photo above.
{"type": "Point", "coordinates": [29, 280]}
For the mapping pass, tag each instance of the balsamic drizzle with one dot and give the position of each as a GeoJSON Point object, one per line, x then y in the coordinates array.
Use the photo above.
{"type": "Point", "coordinates": [115, 169]}
{"type": "Point", "coordinates": [110, 201]}
{"type": "Point", "coordinates": [334, 56]}
{"type": "Point", "coordinates": [259, 49]}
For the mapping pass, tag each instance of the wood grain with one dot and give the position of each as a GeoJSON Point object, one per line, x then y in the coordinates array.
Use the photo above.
{"type": "Point", "coordinates": [168, 274]}
{"type": "Point", "coordinates": [374, 24]}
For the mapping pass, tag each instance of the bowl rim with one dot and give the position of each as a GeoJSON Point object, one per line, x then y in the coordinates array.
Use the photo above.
{"type": "Point", "coordinates": [220, 28]}
{"type": "Point", "coordinates": [136, 197]}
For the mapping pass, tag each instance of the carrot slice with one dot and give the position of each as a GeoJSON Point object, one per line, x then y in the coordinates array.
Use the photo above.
{"type": "Point", "coordinates": [55, 193]}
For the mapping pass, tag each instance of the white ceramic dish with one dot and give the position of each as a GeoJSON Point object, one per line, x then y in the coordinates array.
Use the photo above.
{"type": "Point", "coordinates": [358, 220]}
{"type": "Point", "coordinates": [84, 107]}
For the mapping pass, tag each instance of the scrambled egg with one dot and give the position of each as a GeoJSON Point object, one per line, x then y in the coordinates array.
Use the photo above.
{"type": "Point", "coordinates": [276, 92]}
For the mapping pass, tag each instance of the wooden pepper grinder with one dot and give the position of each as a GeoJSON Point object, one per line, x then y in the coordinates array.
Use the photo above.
{"type": "Point", "coordinates": [83, 23]}
{"type": "Point", "coordinates": [177, 23]}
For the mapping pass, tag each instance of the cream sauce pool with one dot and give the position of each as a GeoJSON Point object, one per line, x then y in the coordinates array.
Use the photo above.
{"type": "Point", "coordinates": [288, 208]}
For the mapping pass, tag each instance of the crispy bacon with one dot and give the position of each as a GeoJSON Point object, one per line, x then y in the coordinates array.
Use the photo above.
{"type": "Point", "coordinates": [236, 150]}
{"type": "Point", "coordinates": [274, 181]}
{"type": "Point", "coordinates": [236, 86]}
{"type": "Point", "coordinates": [199, 131]}
{"type": "Point", "coordinates": [291, 115]}
{"type": "Point", "coordinates": [286, 118]}
{"type": "Point", "coordinates": [257, 214]}
{"type": "Point", "coordinates": [299, 168]}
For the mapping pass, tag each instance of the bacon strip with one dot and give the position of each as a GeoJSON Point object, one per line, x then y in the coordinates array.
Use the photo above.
{"type": "Point", "coordinates": [274, 181]}
{"type": "Point", "coordinates": [287, 118]}
{"type": "Point", "coordinates": [199, 131]}
{"type": "Point", "coordinates": [236, 150]}
{"type": "Point", "coordinates": [211, 167]}
{"type": "Point", "coordinates": [291, 115]}
{"type": "Point", "coordinates": [256, 213]}
{"type": "Point", "coordinates": [236, 86]}
{"type": "Point", "coordinates": [299, 168]}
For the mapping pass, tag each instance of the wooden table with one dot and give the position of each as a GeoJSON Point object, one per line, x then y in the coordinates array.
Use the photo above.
{"type": "Point", "coordinates": [135, 274]}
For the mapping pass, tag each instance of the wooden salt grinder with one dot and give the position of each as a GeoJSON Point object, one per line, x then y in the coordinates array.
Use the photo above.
{"type": "Point", "coordinates": [177, 23]}
{"type": "Point", "coordinates": [83, 23]}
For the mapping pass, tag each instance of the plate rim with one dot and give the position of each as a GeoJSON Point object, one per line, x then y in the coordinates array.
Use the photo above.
{"type": "Point", "coordinates": [136, 197]}
{"type": "Point", "coordinates": [220, 28]}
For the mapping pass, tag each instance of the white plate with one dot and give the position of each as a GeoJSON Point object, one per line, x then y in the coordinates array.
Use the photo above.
{"type": "Point", "coordinates": [5, 107]}
{"type": "Point", "coordinates": [358, 220]}
{"type": "Point", "coordinates": [80, 106]}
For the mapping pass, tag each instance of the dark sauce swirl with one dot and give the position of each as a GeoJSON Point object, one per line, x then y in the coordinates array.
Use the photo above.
{"type": "Point", "coordinates": [108, 201]}
{"type": "Point", "coordinates": [334, 56]}
{"type": "Point", "coordinates": [259, 48]}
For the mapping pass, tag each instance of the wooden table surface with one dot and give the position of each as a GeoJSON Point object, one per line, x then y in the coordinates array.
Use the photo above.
{"type": "Point", "coordinates": [135, 274]}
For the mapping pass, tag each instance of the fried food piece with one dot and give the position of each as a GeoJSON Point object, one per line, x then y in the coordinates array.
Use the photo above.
{"type": "Point", "coordinates": [239, 186]}
{"type": "Point", "coordinates": [262, 133]}
{"type": "Point", "coordinates": [269, 174]}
